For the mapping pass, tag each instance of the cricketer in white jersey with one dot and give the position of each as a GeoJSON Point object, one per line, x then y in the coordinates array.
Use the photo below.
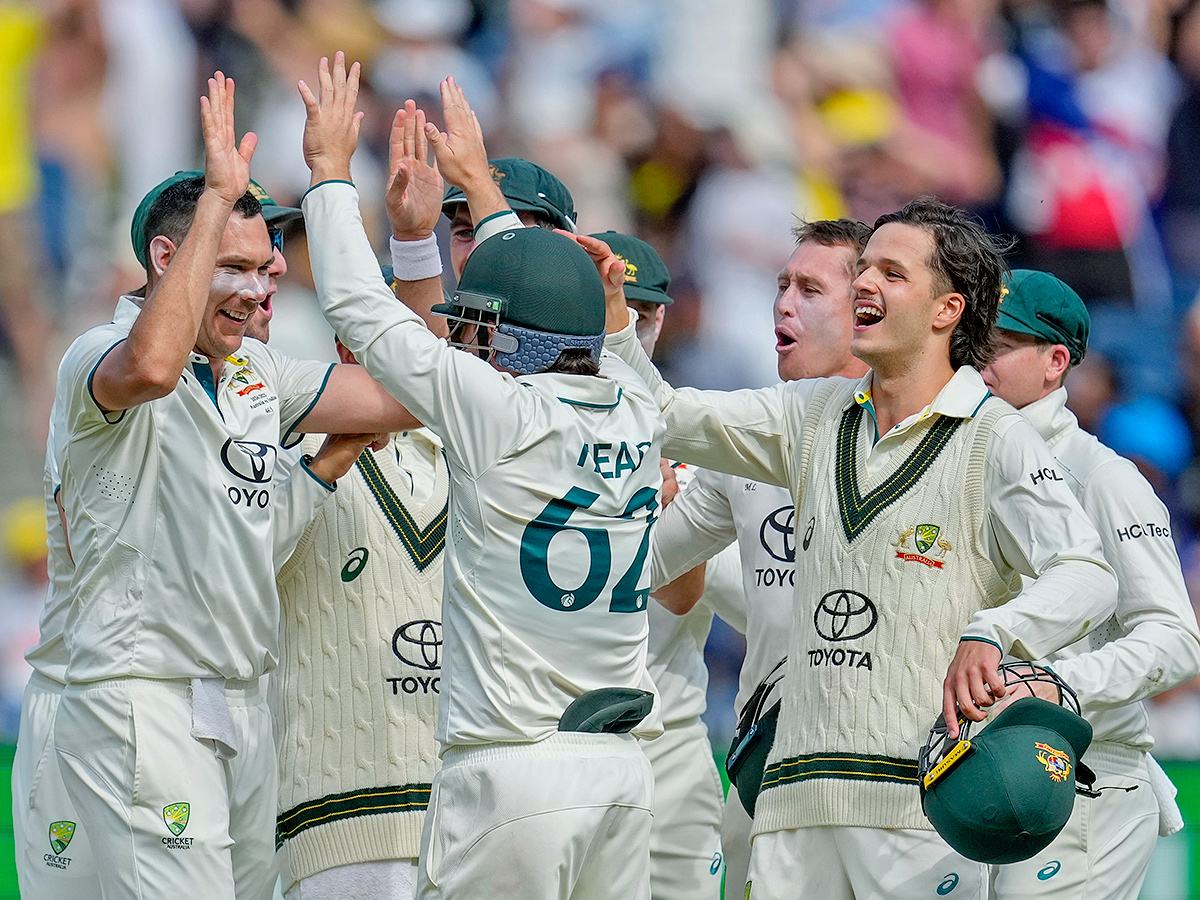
{"type": "Point", "coordinates": [708, 516]}
{"type": "Point", "coordinates": [1151, 644]}
{"type": "Point", "coordinates": [554, 486]}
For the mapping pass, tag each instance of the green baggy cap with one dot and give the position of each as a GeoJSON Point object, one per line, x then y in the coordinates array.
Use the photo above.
{"type": "Point", "coordinates": [274, 214]}
{"type": "Point", "coordinates": [528, 187]}
{"type": "Point", "coordinates": [1039, 304]}
{"type": "Point", "coordinates": [646, 275]}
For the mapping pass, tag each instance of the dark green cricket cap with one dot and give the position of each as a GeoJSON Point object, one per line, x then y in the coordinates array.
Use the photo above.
{"type": "Point", "coordinates": [527, 187]}
{"type": "Point", "coordinates": [274, 214]}
{"type": "Point", "coordinates": [646, 275]}
{"type": "Point", "coordinates": [1039, 304]}
{"type": "Point", "coordinates": [1013, 792]}
{"type": "Point", "coordinates": [541, 280]}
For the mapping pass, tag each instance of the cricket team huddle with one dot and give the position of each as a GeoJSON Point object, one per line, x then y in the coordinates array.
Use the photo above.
{"type": "Point", "coordinates": [478, 560]}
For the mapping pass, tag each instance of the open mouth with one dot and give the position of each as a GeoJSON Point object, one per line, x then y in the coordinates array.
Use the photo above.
{"type": "Point", "coordinates": [239, 318]}
{"type": "Point", "coordinates": [866, 314]}
{"type": "Point", "coordinates": [783, 341]}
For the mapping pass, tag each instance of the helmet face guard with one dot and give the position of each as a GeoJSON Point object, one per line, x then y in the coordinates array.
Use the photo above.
{"type": "Point", "coordinates": [477, 327]}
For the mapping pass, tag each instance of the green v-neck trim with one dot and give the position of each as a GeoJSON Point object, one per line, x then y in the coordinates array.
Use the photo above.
{"type": "Point", "coordinates": [857, 511]}
{"type": "Point", "coordinates": [423, 545]}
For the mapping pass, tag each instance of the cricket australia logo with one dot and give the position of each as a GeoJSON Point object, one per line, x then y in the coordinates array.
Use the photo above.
{"type": "Point", "coordinates": [925, 537]}
{"type": "Point", "coordinates": [60, 836]}
{"type": "Point", "coordinates": [630, 269]}
{"type": "Point", "coordinates": [176, 816]}
{"type": "Point", "coordinates": [1057, 763]}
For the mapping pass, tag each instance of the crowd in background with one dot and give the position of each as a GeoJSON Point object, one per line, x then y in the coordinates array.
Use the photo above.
{"type": "Point", "coordinates": [703, 126]}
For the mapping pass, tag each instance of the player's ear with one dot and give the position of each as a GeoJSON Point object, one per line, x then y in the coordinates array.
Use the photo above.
{"type": "Point", "coordinates": [950, 308]}
{"type": "Point", "coordinates": [162, 251]}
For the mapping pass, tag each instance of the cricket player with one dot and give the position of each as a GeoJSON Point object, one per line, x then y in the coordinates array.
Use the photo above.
{"type": "Point", "coordinates": [54, 853]}
{"type": "Point", "coordinates": [356, 692]}
{"type": "Point", "coordinates": [543, 791]}
{"type": "Point", "coordinates": [916, 444]}
{"type": "Point", "coordinates": [171, 431]}
{"type": "Point", "coordinates": [1150, 644]}
{"type": "Point", "coordinates": [685, 836]}
{"type": "Point", "coordinates": [814, 321]}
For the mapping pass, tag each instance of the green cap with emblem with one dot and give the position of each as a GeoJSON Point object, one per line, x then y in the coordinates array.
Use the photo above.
{"type": "Point", "coordinates": [533, 278]}
{"type": "Point", "coordinates": [274, 214]}
{"type": "Point", "coordinates": [1006, 793]}
{"type": "Point", "coordinates": [646, 275]}
{"type": "Point", "coordinates": [528, 188]}
{"type": "Point", "coordinates": [1046, 307]}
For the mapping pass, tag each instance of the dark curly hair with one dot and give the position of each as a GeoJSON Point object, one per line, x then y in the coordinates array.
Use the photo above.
{"type": "Point", "coordinates": [966, 260]}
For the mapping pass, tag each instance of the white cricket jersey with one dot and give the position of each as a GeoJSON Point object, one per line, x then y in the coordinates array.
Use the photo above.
{"type": "Point", "coordinates": [554, 486]}
{"type": "Point", "coordinates": [713, 512]}
{"type": "Point", "coordinates": [49, 655]}
{"type": "Point", "coordinates": [169, 509]}
{"type": "Point", "coordinates": [1151, 644]}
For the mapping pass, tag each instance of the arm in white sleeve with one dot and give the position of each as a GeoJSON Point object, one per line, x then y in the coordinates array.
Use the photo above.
{"type": "Point", "coordinates": [1158, 646]}
{"type": "Point", "coordinates": [496, 223]}
{"type": "Point", "coordinates": [478, 411]}
{"type": "Point", "coordinates": [297, 499]}
{"type": "Point", "coordinates": [724, 588]}
{"type": "Point", "coordinates": [694, 527]}
{"type": "Point", "coordinates": [1035, 526]}
{"type": "Point", "coordinates": [752, 433]}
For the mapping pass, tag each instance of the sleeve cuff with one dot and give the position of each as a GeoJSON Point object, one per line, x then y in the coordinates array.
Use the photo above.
{"type": "Point", "coordinates": [496, 223]}
{"type": "Point", "coordinates": [304, 461]}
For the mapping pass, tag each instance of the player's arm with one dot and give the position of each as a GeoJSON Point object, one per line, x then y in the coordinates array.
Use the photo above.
{"type": "Point", "coordinates": [1033, 526]}
{"type": "Point", "coordinates": [460, 397]}
{"type": "Point", "coordinates": [147, 365]}
{"type": "Point", "coordinates": [1159, 644]}
{"type": "Point", "coordinates": [751, 433]}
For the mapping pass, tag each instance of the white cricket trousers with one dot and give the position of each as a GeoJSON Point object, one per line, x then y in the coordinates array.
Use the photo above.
{"type": "Point", "coordinates": [566, 817]}
{"type": "Point", "coordinates": [168, 818]}
{"type": "Point", "coordinates": [839, 862]}
{"type": "Point", "coordinates": [685, 834]}
{"type": "Point", "coordinates": [54, 853]}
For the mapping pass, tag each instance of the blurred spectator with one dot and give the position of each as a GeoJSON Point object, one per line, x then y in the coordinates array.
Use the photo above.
{"type": "Point", "coordinates": [1154, 435]}
{"type": "Point", "coordinates": [1099, 103]}
{"type": "Point", "coordinates": [937, 47]}
{"type": "Point", "coordinates": [1181, 193]}
{"type": "Point", "coordinates": [23, 526]}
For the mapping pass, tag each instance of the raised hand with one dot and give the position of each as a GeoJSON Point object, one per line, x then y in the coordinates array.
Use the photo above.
{"type": "Point", "coordinates": [460, 152]}
{"type": "Point", "coordinates": [612, 272]}
{"type": "Point", "coordinates": [331, 129]}
{"type": "Point", "coordinates": [226, 162]}
{"type": "Point", "coordinates": [415, 188]}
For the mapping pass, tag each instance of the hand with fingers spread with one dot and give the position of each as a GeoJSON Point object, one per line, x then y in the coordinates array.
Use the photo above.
{"type": "Point", "coordinates": [415, 188]}
{"type": "Point", "coordinates": [331, 129]}
{"type": "Point", "coordinates": [226, 162]}
{"type": "Point", "coordinates": [461, 155]}
{"type": "Point", "coordinates": [972, 684]}
{"type": "Point", "coordinates": [612, 272]}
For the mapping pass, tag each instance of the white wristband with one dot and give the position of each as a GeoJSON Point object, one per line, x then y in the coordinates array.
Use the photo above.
{"type": "Point", "coordinates": [416, 260]}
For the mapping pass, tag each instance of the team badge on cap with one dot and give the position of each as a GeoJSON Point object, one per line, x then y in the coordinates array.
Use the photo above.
{"type": "Point", "coordinates": [1057, 763]}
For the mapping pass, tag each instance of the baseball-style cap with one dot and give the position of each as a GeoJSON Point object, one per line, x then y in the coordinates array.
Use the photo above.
{"type": "Point", "coordinates": [274, 214]}
{"type": "Point", "coordinates": [1039, 304]}
{"type": "Point", "coordinates": [526, 186]}
{"type": "Point", "coordinates": [646, 275]}
{"type": "Point", "coordinates": [1013, 789]}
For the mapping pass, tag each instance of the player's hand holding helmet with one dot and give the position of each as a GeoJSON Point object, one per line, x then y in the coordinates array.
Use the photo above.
{"type": "Point", "coordinates": [1005, 793]}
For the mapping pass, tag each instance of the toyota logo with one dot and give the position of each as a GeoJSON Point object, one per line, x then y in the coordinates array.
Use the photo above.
{"type": "Point", "coordinates": [249, 460]}
{"type": "Point", "coordinates": [844, 616]}
{"type": "Point", "coordinates": [422, 640]}
{"type": "Point", "coordinates": [778, 534]}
